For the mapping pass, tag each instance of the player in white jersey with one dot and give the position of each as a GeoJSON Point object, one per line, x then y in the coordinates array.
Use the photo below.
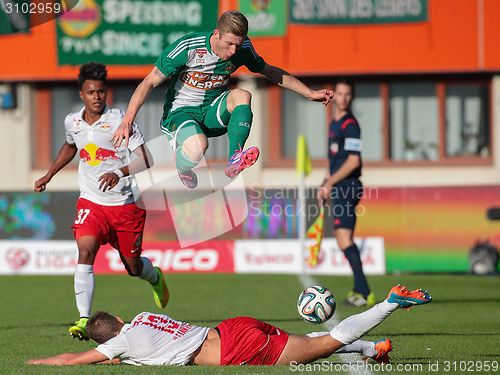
{"type": "Point", "coordinates": [152, 339]}
{"type": "Point", "coordinates": [106, 209]}
{"type": "Point", "coordinates": [199, 105]}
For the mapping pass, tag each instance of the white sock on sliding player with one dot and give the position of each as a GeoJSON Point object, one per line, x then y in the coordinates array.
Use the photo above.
{"type": "Point", "coordinates": [352, 328]}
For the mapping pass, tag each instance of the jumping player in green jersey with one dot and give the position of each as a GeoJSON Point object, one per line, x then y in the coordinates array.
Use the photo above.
{"type": "Point", "coordinates": [199, 105]}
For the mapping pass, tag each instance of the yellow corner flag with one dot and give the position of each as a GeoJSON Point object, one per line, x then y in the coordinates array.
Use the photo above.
{"type": "Point", "coordinates": [303, 161]}
{"type": "Point", "coordinates": [315, 232]}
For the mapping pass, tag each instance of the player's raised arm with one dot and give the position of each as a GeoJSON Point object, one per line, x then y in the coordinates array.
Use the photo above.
{"type": "Point", "coordinates": [65, 155]}
{"type": "Point", "coordinates": [67, 359]}
{"type": "Point", "coordinates": [141, 93]}
{"type": "Point", "coordinates": [288, 81]}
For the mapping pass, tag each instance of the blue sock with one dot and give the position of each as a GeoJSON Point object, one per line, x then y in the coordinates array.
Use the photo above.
{"type": "Point", "coordinates": [360, 283]}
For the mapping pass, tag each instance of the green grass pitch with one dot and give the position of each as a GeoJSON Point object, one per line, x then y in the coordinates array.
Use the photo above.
{"type": "Point", "coordinates": [461, 324]}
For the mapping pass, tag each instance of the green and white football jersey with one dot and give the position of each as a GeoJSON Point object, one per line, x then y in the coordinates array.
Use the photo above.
{"type": "Point", "coordinates": [198, 76]}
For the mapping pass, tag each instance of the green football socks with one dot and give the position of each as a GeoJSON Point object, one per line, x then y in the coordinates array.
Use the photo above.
{"type": "Point", "coordinates": [239, 127]}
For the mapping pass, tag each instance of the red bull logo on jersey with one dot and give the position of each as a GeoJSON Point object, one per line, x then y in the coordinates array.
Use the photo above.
{"type": "Point", "coordinates": [93, 155]}
{"type": "Point", "coordinates": [204, 81]}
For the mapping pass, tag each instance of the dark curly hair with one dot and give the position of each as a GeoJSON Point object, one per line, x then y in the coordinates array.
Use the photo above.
{"type": "Point", "coordinates": [92, 71]}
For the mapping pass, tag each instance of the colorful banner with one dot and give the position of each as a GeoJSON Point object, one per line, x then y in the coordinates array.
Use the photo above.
{"type": "Point", "coordinates": [287, 257]}
{"type": "Point", "coordinates": [242, 256]}
{"type": "Point", "coordinates": [207, 257]}
{"type": "Point", "coordinates": [38, 257]}
{"type": "Point", "coordinates": [265, 17]}
{"type": "Point", "coordinates": [126, 32]}
{"type": "Point", "coordinates": [61, 257]}
{"type": "Point", "coordinates": [357, 11]}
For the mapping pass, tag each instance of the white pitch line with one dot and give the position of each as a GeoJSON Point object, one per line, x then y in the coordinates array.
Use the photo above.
{"type": "Point", "coordinates": [307, 281]}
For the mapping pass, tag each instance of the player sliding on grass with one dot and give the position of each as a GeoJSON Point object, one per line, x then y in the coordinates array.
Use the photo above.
{"type": "Point", "coordinates": [152, 339]}
{"type": "Point", "coordinates": [198, 103]}
{"type": "Point", "coordinates": [106, 210]}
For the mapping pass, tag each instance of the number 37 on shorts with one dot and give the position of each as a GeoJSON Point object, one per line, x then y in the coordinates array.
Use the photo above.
{"type": "Point", "coordinates": [81, 215]}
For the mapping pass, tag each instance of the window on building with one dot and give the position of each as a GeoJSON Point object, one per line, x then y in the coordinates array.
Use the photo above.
{"type": "Point", "coordinates": [303, 117]}
{"type": "Point", "coordinates": [413, 121]}
{"type": "Point", "coordinates": [65, 99]}
{"type": "Point", "coordinates": [467, 121]}
{"type": "Point", "coordinates": [368, 109]}
{"type": "Point", "coordinates": [310, 119]}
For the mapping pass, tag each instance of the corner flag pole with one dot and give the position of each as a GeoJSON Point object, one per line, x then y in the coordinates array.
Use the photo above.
{"type": "Point", "coordinates": [303, 167]}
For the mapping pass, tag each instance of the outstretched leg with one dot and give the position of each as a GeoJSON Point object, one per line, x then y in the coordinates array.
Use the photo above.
{"type": "Point", "coordinates": [305, 349]}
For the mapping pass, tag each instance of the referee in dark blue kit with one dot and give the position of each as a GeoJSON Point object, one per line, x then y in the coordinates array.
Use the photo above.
{"type": "Point", "coordinates": [343, 187]}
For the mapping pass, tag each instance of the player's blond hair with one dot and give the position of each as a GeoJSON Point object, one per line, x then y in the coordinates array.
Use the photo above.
{"type": "Point", "coordinates": [233, 22]}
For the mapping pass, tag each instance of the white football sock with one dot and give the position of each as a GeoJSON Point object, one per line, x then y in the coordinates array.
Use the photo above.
{"type": "Point", "coordinates": [148, 272]}
{"type": "Point", "coordinates": [84, 288]}
{"type": "Point", "coordinates": [352, 328]}
{"type": "Point", "coordinates": [359, 346]}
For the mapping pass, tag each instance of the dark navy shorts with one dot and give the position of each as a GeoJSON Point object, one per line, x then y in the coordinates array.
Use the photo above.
{"type": "Point", "coordinates": [344, 198]}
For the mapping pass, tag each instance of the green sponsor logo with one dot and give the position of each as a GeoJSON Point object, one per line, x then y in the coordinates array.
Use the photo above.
{"type": "Point", "coordinates": [128, 32]}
